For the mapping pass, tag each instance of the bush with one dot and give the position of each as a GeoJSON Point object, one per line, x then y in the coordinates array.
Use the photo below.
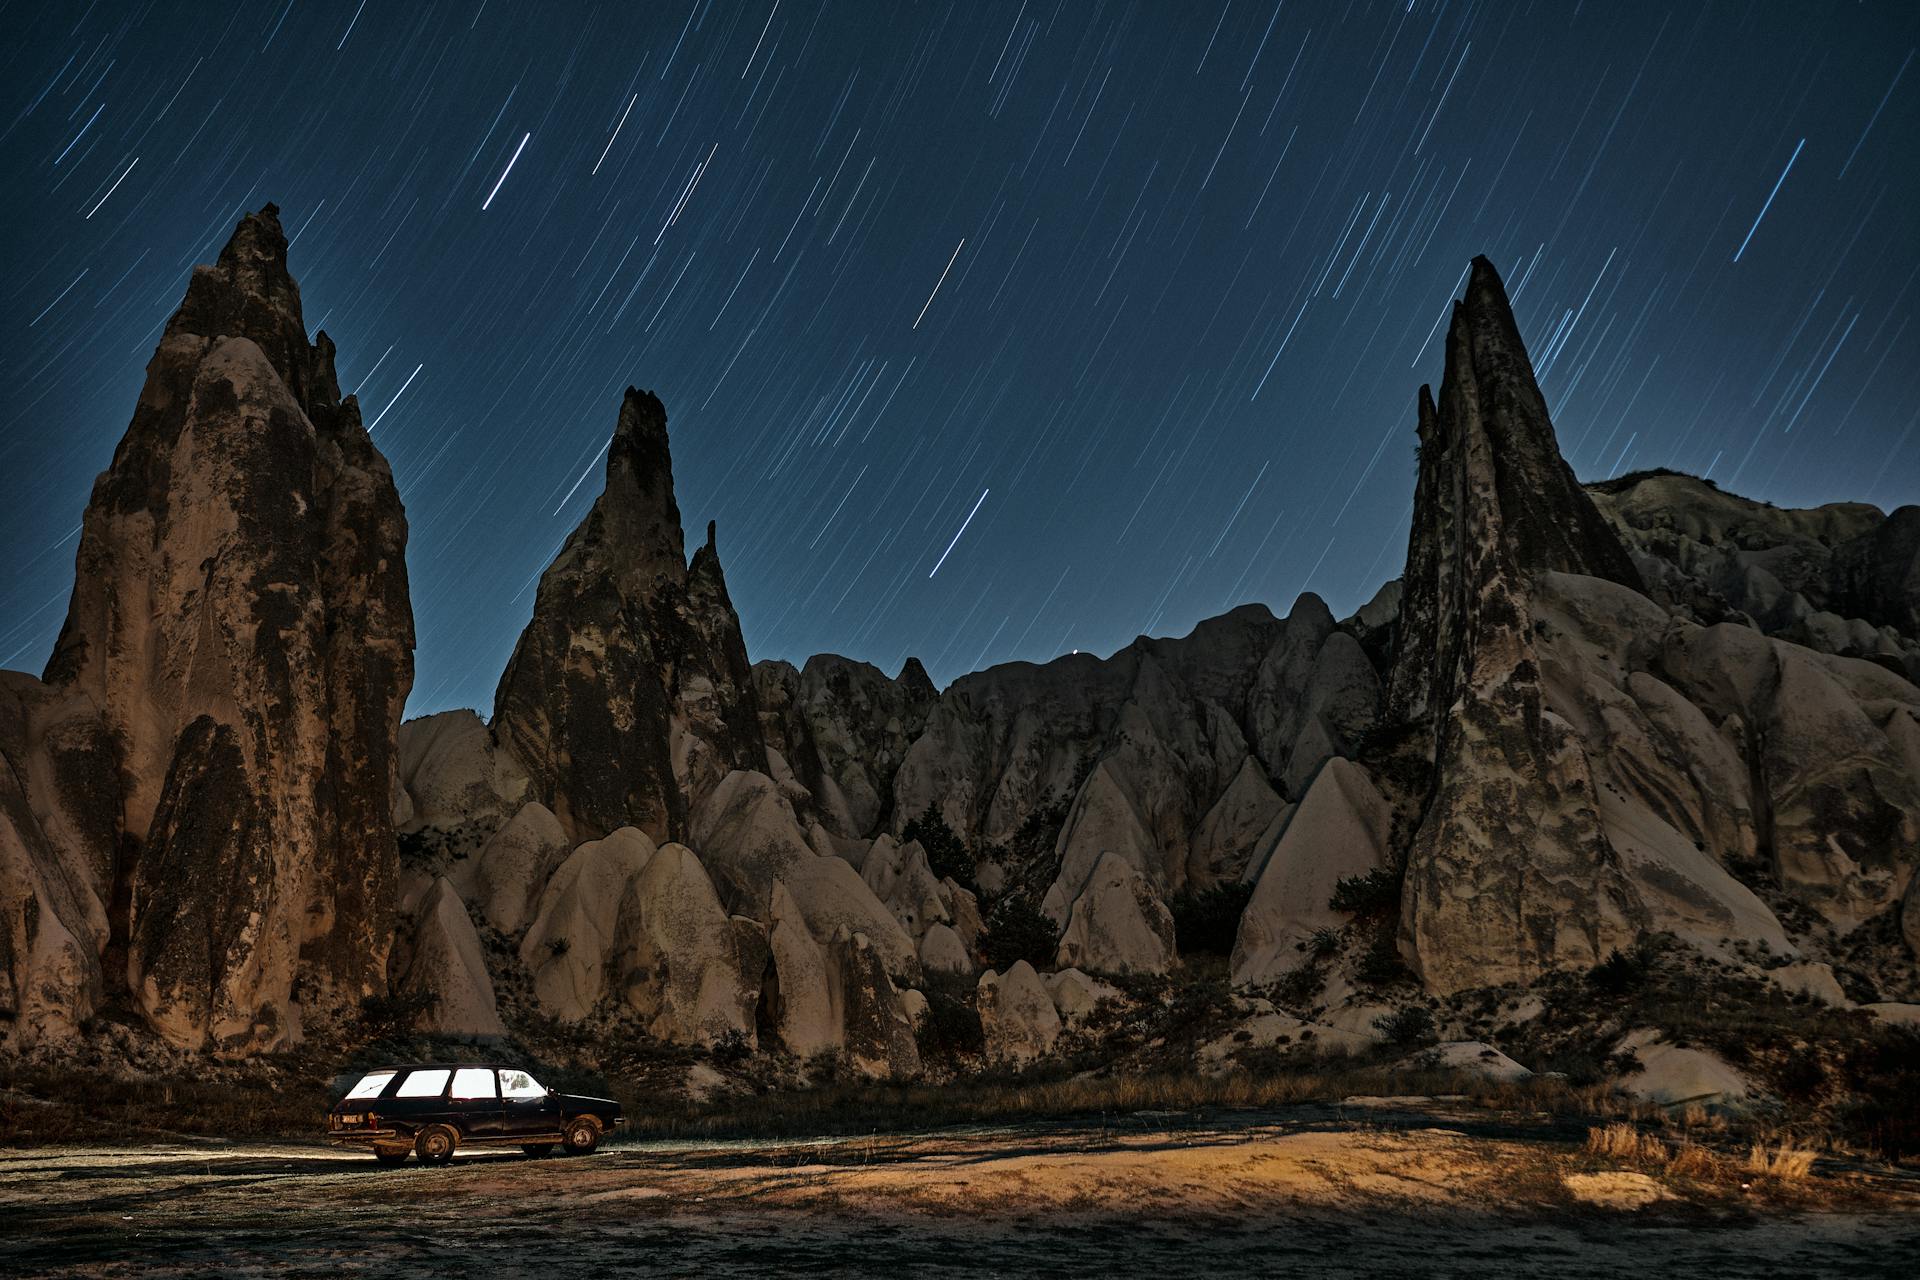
{"type": "Point", "coordinates": [1381, 965]}
{"type": "Point", "coordinates": [1017, 930]}
{"type": "Point", "coordinates": [1371, 896]}
{"type": "Point", "coordinates": [947, 853]}
{"type": "Point", "coordinates": [1408, 1028]}
{"type": "Point", "coordinates": [1622, 972]}
{"type": "Point", "coordinates": [394, 1014]}
{"type": "Point", "coordinates": [951, 1028]}
{"type": "Point", "coordinates": [1205, 921]}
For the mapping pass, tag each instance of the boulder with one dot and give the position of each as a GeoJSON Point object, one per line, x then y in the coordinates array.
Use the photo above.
{"type": "Point", "coordinates": [878, 1029]}
{"type": "Point", "coordinates": [1673, 1076]}
{"type": "Point", "coordinates": [572, 934]}
{"type": "Point", "coordinates": [1017, 1015]}
{"type": "Point", "coordinates": [686, 967]}
{"type": "Point", "coordinates": [1813, 980]}
{"type": "Point", "coordinates": [1470, 1057]}
{"type": "Point", "coordinates": [449, 969]}
{"type": "Point", "coordinates": [1339, 831]}
{"type": "Point", "coordinates": [941, 951]}
{"type": "Point", "coordinates": [831, 896]}
{"type": "Point", "coordinates": [453, 772]}
{"type": "Point", "coordinates": [1117, 923]}
{"type": "Point", "coordinates": [1076, 994]}
{"type": "Point", "coordinates": [796, 999]}
{"type": "Point", "coordinates": [513, 868]}
{"type": "Point", "coordinates": [748, 835]}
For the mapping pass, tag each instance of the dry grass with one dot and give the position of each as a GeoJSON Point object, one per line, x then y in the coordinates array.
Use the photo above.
{"type": "Point", "coordinates": [1625, 1142]}
{"type": "Point", "coordinates": [1785, 1160]}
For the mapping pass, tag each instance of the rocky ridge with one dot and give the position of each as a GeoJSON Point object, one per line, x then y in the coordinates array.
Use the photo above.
{"type": "Point", "coordinates": [1587, 721]}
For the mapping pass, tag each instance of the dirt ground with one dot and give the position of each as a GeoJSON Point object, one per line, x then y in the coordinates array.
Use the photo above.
{"type": "Point", "coordinates": [1358, 1190]}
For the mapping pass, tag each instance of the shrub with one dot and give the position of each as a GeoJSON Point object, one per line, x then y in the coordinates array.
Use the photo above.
{"type": "Point", "coordinates": [1371, 896]}
{"type": "Point", "coordinates": [731, 1048]}
{"type": "Point", "coordinates": [1205, 921]}
{"type": "Point", "coordinates": [394, 1014]}
{"type": "Point", "coordinates": [951, 1028]}
{"type": "Point", "coordinates": [946, 852]}
{"type": "Point", "coordinates": [1622, 972]}
{"type": "Point", "coordinates": [1407, 1028]}
{"type": "Point", "coordinates": [1017, 930]}
{"type": "Point", "coordinates": [1381, 965]}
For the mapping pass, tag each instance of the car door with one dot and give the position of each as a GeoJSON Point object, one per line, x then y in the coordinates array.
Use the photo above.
{"type": "Point", "coordinates": [527, 1109]}
{"type": "Point", "coordinates": [474, 1098]}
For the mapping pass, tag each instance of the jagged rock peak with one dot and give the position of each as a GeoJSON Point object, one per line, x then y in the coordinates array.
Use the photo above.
{"type": "Point", "coordinates": [1553, 523]}
{"type": "Point", "coordinates": [249, 293]}
{"type": "Point", "coordinates": [914, 679]}
{"type": "Point", "coordinates": [1491, 487]}
{"type": "Point", "coordinates": [665, 706]}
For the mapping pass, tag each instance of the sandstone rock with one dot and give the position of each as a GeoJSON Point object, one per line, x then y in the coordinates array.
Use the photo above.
{"type": "Point", "coordinates": [1673, 1076]}
{"type": "Point", "coordinates": [877, 1027]}
{"type": "Point", "coordinates": [749, 836]}
{"type": "Point", "coordinates": [846, 728]}
{"type": "Point", "coordinates": [1339, 831]}
{"type": "Point", "coordinates": [1471, 1057]}
{"type": "Point", "coordinates": [453, 772]}
{"type": "Point", "coordinates": [914, 1005]}
{"type": "Point", "coordinates": [59, 810]}
{"type": "Point", "coordinates": [831, 896]}
{"type": "Point", "coordinates": [240, 621]}
{"type": "Point", "coordinates": [796, 999]}
{"type": "Point", "coordinates": [1017, 1015]}
{"type": "Point", "coordinates": [1808, 979]}
{"type": "Point", "coordinates": [683, 964]}
{"type": "Point", "coordinates": [941, 951]}
{"type": "Point", "coordinates": [512, 870]}
{"type": "Point", "coordinates": [1232, 829]}
{"type": "Point", "coordinates": [628, 696]}
{"type": "Point", "coordinates": [901, 879]}
{"type": "Point", "coordinates": [1894, 1013]}
{"type": "Point", "coordinates": [1075, 994]}
{"type": "Point", "coordinates": [1117, 923]}
{"type": "Point", "coordinates": [450, 970]}
{"type": "Point", "coordinates": [572, 935]}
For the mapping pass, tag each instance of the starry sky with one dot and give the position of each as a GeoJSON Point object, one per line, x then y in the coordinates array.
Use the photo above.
{"type": "Point", "coordinates": [986, 330]}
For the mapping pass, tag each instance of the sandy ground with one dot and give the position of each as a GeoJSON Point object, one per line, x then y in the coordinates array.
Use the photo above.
{"type": "Point", "coordinates": [1363, 1191]}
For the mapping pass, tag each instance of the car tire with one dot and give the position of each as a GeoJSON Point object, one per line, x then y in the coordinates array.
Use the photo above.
{"type": "Point", "coordinates": [436, 1144]}
{"type": "Point", "coordinates": [537, 1149]}
{"type": "Point", "coordinates": [582, 1135]}
{"type": "Point", "coordinates": [392, 1156]}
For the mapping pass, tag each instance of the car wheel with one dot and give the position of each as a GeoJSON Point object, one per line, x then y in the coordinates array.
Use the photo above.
{"type": "Point", "coordinates": [391, 1155]}
{"type": "Point", "coordinates": [537, 1149]}
{"type": "Point", "coordinates": [582, 1135]}
{"type": "Point", "coordinates": [435, 1144]}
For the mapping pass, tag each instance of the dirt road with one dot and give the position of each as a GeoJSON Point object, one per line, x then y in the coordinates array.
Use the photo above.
{"type": "Point", "coordinates": [1367, 1191]}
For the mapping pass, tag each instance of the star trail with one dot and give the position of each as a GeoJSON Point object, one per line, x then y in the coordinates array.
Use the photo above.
{"type": "Point", "coordinates": [1160, 278]}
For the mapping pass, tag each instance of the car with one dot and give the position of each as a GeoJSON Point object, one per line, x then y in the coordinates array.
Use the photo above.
{"type": "Point", "coordinates": [430, 1109]}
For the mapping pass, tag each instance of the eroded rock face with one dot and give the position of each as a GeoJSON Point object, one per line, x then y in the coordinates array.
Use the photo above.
{"type": "Point", "coordinates": [1510, 872]}
{"type": "Point", "coordinates": [844, 728]}
{"type": "Point", "coordinates": [240, 620]}
{"type": "Point", "coordinates": [628, 697]}
{"type": "Point", "coordinates": [1017, 1015]}
{"type": "Point", "coordinates": [684, 964]}
{"type": "Point", "coordinates": [448, 967]}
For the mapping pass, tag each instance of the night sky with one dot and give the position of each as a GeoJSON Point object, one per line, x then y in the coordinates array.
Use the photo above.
{"type": "Point", "coordinates": [1132, 298]}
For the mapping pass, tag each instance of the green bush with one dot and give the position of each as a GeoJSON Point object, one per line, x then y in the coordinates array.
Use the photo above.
{"type": "Point", "coordinates": [946, 852]}
{"type": "Point", "coordinates": [1017, 930]}
{"type": "Point", "coordinates": [1622, 972]}
{"type": "Point", "coordinates": [1205, 921]}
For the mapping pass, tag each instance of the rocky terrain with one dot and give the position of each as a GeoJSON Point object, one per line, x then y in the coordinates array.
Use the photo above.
{"type": "Point", "coordinates": [1602, 758]}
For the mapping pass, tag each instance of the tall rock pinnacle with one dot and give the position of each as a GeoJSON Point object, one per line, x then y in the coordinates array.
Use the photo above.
{"type": "Point", "coordinates": [1511, 871]}
{"type": "Point", "coordinates": [240, 620]}
{"type": "Point", "coordinates": [629, 695]}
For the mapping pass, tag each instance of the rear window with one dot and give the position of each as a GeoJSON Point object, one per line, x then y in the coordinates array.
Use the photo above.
{"type": "Point", "coordinates": [473, 1082]}
{"type": "Point", "coordinates": [424, 1084]}
{"type": "Point", "coordinates": [518, 1084]}
{"type": "Point", "coordinates": [370, 1085]}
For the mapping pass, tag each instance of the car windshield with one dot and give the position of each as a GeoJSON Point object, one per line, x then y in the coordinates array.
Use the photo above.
{"type": "Point", "coordinates": [370, 1085]}
{"type": "Point", "coordinates": [518, 1084]}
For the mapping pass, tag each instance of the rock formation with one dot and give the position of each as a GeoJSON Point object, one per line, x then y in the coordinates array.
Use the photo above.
{"type": "Point", "coordinates": [628, 697]}
{"type": "Point", "coordinates": [240, 626]}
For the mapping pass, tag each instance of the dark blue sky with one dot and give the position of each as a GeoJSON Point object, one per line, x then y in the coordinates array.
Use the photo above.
{"type": "Point", "coordinates": [1136, 294]}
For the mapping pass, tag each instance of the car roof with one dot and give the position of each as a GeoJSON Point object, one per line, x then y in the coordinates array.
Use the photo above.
{"type": "Point", "coordinates": [440, 1066]}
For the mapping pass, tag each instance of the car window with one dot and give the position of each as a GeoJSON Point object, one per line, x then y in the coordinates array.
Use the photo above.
{"type": "Point", "coordinates": [473, 1082]}
{"type": "Point", "coordinates": [371, 1085]}
{"type": "Point", "coordinates": [424, 1084]}
{"type": "Point", "coordinates": [518, 1084]}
